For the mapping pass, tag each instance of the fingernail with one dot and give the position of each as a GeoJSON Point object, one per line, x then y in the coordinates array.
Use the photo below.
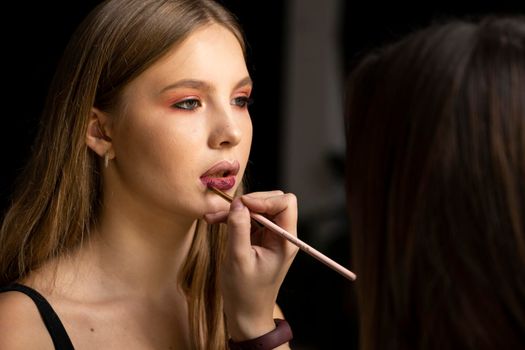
{"type": "Point", "coordinates": [237, 205]}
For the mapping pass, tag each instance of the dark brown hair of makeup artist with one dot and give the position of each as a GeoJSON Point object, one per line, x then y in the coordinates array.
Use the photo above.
{"type": "Point", "coordinates": [435, 127]}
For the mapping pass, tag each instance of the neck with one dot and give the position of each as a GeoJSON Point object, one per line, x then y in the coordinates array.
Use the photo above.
{"type": "Point", "coordinates": [141, 257]}
{"type": "Point", "coordinates": [134, 252]}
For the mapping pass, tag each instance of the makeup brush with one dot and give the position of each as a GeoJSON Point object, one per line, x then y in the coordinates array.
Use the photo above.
{"type": "Point", "coordinates": [285, 234]}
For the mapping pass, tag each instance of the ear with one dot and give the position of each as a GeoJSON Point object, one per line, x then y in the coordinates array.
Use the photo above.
{"type": "Point", "coordinates": [98, 131]}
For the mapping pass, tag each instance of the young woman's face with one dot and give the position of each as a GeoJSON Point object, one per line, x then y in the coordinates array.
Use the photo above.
{"type": "Point", "coordinates": [184, 123]}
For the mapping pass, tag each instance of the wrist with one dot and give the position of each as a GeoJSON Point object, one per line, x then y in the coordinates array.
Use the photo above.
{"type": "Point", "coordinates": [241, 329]}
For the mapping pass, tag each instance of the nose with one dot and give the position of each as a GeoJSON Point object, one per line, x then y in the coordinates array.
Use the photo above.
{"type": "Point", "coordinates": [225, 128]}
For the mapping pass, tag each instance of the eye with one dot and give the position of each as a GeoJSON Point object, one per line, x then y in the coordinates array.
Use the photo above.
{"type": "Point", "coordinates": [242, 101]}
{"type": "Point", "coordinates": [188, 105]}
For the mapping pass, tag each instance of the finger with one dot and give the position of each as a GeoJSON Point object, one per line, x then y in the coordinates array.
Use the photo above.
{"type": "Point", "coordinates": [282, 209]}
{"type": "Point", "coordinates": [239, 229]}
{"type": "Point", "coordinates": [217, 217]}
{"type": "Point", "coordinates": [271, 205]}
{"type": "Point", "coordinates": [264, 194]}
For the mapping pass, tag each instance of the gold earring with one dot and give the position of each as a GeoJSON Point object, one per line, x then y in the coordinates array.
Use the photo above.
{"type": "Point", "coordinates": [106, 159]}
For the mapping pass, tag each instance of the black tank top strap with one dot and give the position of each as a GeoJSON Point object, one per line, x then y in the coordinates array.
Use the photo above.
{"type": "Point", "coordinates": [53, 324]}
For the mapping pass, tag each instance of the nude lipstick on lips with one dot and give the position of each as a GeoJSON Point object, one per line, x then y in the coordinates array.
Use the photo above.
{"type": "Point", "coordinates": [222, 175]}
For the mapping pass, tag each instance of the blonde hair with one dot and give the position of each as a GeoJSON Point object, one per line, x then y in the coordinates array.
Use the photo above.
{"type": "Point", "coordinates": [59, 193]}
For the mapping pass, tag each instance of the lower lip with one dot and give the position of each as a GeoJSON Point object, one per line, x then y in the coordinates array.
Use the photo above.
{"type": "Point", "coordinates": [221, 183]}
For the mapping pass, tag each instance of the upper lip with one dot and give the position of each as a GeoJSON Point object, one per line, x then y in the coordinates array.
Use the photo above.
{"type": "Point", "coordinates": [223, 168]}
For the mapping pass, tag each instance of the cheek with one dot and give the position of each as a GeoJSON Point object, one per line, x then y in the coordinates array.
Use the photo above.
{"type": "Point", "coordinates": [245, 145]}
{"type": "Point", "coordinates": [249, 127]}
{"type": "Point", "coordinates": [154, 149]}
{"type": "Point", "coordinates": [137, 143]}
{"type": "Point", "coordinates": [159, 164]}
{"type": "Point", "coordinates": [154, 134]}
{"type": "Point", "coordinates": [248, 135]}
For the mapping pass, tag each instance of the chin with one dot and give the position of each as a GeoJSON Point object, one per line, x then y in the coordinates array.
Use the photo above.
{"type": "Point", "coordinates": [217, 205]}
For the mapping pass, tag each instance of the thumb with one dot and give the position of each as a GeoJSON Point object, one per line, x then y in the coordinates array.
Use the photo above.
{"type": "Point", "coordinates": [239, 226]}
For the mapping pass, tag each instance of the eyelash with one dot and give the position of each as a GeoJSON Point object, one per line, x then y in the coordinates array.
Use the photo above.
{"type": "Point", "coordinates": [188, 105]}
{"type": "Point", "coordinates": [242, 101]}
{"type": "Point", "coordinates": [193, 103]}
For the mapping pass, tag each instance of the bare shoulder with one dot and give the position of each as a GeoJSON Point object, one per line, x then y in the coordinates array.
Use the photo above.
{"type": "Point", "coordinates": [20, 324]}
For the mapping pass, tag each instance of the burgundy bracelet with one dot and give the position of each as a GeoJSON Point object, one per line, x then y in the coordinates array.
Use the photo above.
{"type": "Point", "coordinates": [280, 335]}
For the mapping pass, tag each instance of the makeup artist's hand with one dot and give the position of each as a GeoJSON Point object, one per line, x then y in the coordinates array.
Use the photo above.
{"type": "Point", "coordinates": [256, 260]}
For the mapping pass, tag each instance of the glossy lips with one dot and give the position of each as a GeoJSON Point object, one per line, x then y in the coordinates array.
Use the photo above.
{"type": "Point", "coordinates": [222, 175]}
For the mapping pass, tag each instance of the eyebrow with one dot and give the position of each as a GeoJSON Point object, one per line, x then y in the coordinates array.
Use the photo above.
{"type": "Point", "coordinates": [202, 85]}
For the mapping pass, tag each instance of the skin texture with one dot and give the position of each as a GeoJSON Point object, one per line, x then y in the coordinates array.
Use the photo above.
{"type": "Point", "coordinates": [176, 120]}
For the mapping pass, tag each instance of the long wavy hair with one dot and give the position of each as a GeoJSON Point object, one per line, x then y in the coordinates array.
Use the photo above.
{"type": "Point", "coordinates": [58, 194]}
{"type": "Point", "coordinates": [435, 129]}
